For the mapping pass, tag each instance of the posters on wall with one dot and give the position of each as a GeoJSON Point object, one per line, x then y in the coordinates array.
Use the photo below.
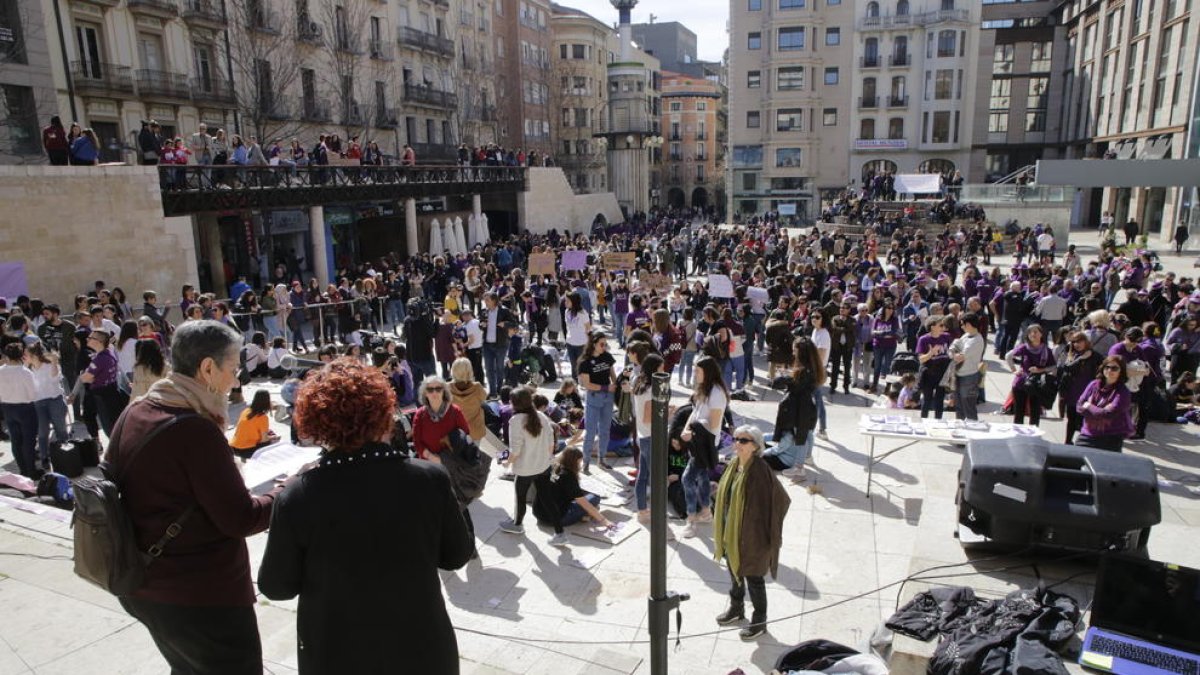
{"type": "Point", "coordinates": [13, 282]}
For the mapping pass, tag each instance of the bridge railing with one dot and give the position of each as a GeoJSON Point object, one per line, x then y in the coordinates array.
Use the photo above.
{"type": "Point", "coordinates": [225, 177]}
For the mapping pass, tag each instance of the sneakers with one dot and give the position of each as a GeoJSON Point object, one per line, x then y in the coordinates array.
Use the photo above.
{"type": "Point", "coordinates": [704, 516]}
{"type": "Point", "coordinates": [512, 528]}
{"type": "Point", "coordinates": [559, 539]}
{"type": "Point", "coordinates": [689, 531]}
{"type": "Point", "coordinates": [731, 616]}
{"type": "Point", "coordinates": [752, 632]}
{"type": "Point", "coordinates": [822, 434]}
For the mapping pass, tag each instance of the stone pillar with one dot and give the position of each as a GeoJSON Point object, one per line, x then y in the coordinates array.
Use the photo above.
{"type": "Point", "coordinates": [320, 257]}
{"type": "Point", "coordinates": [210, 251]}
{"type": "Point", "coordinates": [410, 226]}
{"type": "Point", "coordinates": [476, 205]}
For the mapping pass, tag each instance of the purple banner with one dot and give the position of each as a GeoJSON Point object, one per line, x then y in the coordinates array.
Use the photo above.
{"type": "Point", "coordinates": [574, 260]}
{"type": "Point", "coordinates": [12, 280]}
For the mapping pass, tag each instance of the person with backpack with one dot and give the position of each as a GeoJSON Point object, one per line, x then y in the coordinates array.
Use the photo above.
{"type": "Point", "coordinates": [175, 471]}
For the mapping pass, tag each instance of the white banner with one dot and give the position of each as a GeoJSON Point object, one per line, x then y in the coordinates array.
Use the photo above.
{"type": "Point", "coordinates": [918, 183]}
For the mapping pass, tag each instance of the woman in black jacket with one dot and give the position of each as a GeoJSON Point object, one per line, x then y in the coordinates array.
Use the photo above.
{"type": "Point", "coordinates": [797, 415]}
{"type": "Point", "coordinates": [366, 569]}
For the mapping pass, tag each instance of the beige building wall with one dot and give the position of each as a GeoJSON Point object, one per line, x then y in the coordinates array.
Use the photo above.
{"type": "Point", "coordinates": [550, 203]}
{"type": "Point", "coordinates": [580, 55]}
{"type": "Point", "coordinates": [691, 172]}
{"type": "Point", "coordinates": [111, 228]}
{"type": "Point", "coordinates": [475, 73]}
{"type": "Point", "coordinates": [790, 103]}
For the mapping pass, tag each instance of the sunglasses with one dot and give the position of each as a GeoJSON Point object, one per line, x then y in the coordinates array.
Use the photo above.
{"type": "Point", "coordinates": [431, 390]}
{"type": "Point", "coordinates": [1113, 368]}
{"type": "Point", "coordinates": [743, 441]}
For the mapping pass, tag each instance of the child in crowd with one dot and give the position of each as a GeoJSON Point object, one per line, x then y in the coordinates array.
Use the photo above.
{"type": "Point", "coordinates": [568, 395]}
{"type": "Point", "coordinates": [254, 427]}
{"type": "Point", "coordinates": [512, 360]}
{"type": "Point", "coordinates": [907, 398]}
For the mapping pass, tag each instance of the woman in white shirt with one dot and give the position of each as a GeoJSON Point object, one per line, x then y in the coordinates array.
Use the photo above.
{"type": "Point", "coordinates": [50, 401]}
{"type": "Point", "coordinates": [578, 328]}
{"type": "Point", "coordinates": [275, 367]}
{"type": "Point", "coordinates": [126, 346]}
{"type": "Point", "coordinates": [642, 405]}
{"type": "Point", "coordinates": [701, 432]}
{"type": "Point", "coordinates": [822, 341]}
{"type": "Point", "coordinates": [530, 451]}
{"type": "Point", "coordinates": [256, 355]}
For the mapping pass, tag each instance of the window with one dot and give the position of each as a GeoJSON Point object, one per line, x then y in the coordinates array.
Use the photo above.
{"type": "Point", "coordinates": [1001, 91]}
{"type": "Point", "coordinates": [788, 157]}
{"type": "Point", "coordinates": [1042, 51]}
{"type": "Point", "coordinates": [831, 76]}
{"type": "Point", "coordinates": [753, 119]}
{"type": "Point", "coordinates": [791, 39]}
{"type": "Point", "coordinates": [998, 121]}
{"type": "Point", "coordinates": [754, 5]}
{"type": "Point", "coordinates": [754, 79]}
{"type": "Point", "coordinates": [943, 84]}
{"type": "Point", "coordinates": [829, 117]}
{"type": "Point", "coordinates": [21, 119]}
{"type": "Point", "coordinates": [946, 41]}
{"type": "Point", "coordinates": [787, 183]}
{"type": "Point", "coordinates": [791, 4]}
{"type": "Point", "coordinates": [896, 128]}
{"type": "Point", "coordinates": [754, 41]}
{"type": "Point", "coordinates": [833, 37]}
{"type": "Point", "coordinates": [676, 106]}
{"type": "Point", "coordinates": [941, 127]}
{"type": "Point", "coordinates": [749, 181]}
{"type": "Point", "coordinates": [872, 9]}
{"type": "Point", "coordinates": [1002, 59]}
{"type": "Point", "coordinates": [747, 156]}
{"type": "Point", "coordinates": [12, 43]}
{"type": "Point", "coordinates": [1035, 116]}
{"type": "Point", "coordinates": [701, 105]}
{"type": "Point", "coordinates": [902, 8]}
{"type": "Point", "coordinates": [866, 129]}
{"type": "Point", "coordinates": [789, 119]}
{"type": "Point", "coordinates": [790, 78]}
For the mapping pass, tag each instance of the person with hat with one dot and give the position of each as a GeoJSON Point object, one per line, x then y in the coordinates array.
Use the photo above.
{"type": "Point", "coordinates": [149, 142]}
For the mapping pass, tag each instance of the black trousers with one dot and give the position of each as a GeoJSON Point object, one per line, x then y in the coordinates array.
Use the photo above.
{"type": "Point", "coordinates": [1021, 400]}
{"type": "Point", "coordinates": [202, 640]}
{"type": "Point", "coordinates": [466, 513]}
{"type": "Point", "coordinates": [522, 484]}
{"type": "Point", "coordinates": [1074, 422]}
{"type": "Point", "coordinates": [1112, 443]}
{"type": "Point", "coordinates": [840, 361]}
{"type": "Point", "coordinates": [758, 595]}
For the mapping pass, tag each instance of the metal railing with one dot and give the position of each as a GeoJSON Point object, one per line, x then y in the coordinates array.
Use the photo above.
{"type": "Point", "coordinates": [419, 93]}
{"type": "Point", "coordinates": [942, 15]}
{"type": "Point", "coordinates": [156, 7]}
{"type": "Point", "coordinates": [206, 12]}
{"type": "Point", "coordinates": [314, 110]}
{"type": "Point", "coordinates": [868, 102]}
{"type": "Point", "coordinates": [487, 113]}
{"type": "Point", "coordinates": [885, 22]}
{"type": "Point", "coordinates": [97, 77]}
{"type": "Point", "coordinates": [308, 30]}
{"type": "Point", "coordinates": [870, 61]}
{"type": "Point", "coordinates": [897, 101]}
{"type": "Point", "coordinates": [164, 84]}
{"type": "Point", "coordinates": [263, 20]}
{"type": "Point", "coordinates": [1009, 192]}
{"type": "Point", "coordinates": [418, 39]}
{"type": "Point", "coordinates": [213, 89]}
{"type": "Point", "coordinates": [900, 59]}
{"type": "Point", "coordinates": [387, 118]}
{"type": "Point", "coordinates": [382, 50]}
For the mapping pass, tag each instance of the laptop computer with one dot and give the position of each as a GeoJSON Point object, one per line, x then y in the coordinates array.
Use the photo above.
{"type": "Point", "coordinates": [1145, 619]}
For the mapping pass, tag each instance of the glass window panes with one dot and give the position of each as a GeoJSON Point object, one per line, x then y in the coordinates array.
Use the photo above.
{"type": "Point", "coordinates": [831, 76]}
{"type": "Point", "coordinates": [790, 78]}
{"type": "Point", "coordinates": [754, 79]}
{"type": "Point", "coordinates": [830, 117]}
{"type": "Point", "coordinates": [833, 36]}
{"type": "Point", "coordinates": [788, 157]}
{"type": "Point", "coordinates": [747, 156]}
{"type": "Point", "coordinates": [789, 119]}
{"type": "Point", "coordinates": [791, 38]}
{"type": "Point", "coordinates": [754, 41]}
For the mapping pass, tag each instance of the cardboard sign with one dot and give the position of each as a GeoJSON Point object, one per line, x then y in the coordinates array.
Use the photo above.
{"type": "Point", "coordinates": [719, 286]}
{"type": "Point", "coordinates": [654, 281]}
{"type": "Point", "coordinates": [574, 260]}
{"type": "Point", "coordinates": [758, 293]}
{"type": "Point", "coordinates": [542, 263]}
{"type": "Point", "coordinates": [623, 261]}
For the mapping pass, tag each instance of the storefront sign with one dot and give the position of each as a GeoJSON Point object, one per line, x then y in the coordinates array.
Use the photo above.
{"type": "Point", "coordinates": [626, 261]}
{"type": "Point", "coordinates": [288, 222]}
{"type": "Point", "coordinates": [338, 217]}
{"type": "Point", "coordinates": [433, 206]}
{"type": "Point", "coordinates": [787, 209]}
{"type": "Point", "coordinates": [880, 144]}
{"type": "Point", "coordinates": [542, 263]}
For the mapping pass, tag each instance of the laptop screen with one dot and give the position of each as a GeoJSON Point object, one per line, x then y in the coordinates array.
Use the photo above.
{"type": "Point", "coordinates": [1154, 601]}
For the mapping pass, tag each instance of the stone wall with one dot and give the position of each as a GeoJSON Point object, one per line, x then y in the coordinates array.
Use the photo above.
{"type": "Point", "coordinates": [551, 203]}
{"type": "Point", "coordinates": [73, 225]}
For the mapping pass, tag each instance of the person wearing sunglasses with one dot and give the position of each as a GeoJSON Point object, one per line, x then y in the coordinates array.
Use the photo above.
{"type": "Point", "coordinates": [1079, 367]}
{"type": "Point", "coordinates": [748, 529]}
{"type": "Point", "coordinates": [1106, 406]}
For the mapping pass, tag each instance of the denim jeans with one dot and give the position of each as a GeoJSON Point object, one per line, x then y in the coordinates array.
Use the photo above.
{"type": "Point", "coordinates": [493, 365]}
{"type": "Point", "coordinates": [643, 478]}
{"type": "Point", "coordinates": [883, 363]}
{"type": "Point", "coordinates": [22, 422]}
{"type": "Point", "coordinates": [575, 513]}
{"type": "Point", "coordinates": [597, 423]}
{"type": "Point", "coordinates": [696, 487]}
{"type": "Point", "coordinates": [966, 399]}
{"type": "Point", "coordinates": [619, 327]}
{"type": "Point", "coordinates": [272, 324]}
{"type": "Point", "coordinates": [51, 412]}
{"type": "Point", "coordinates": [573, 354]}
{"type": "Point", "coordinates": [738, 364]}
{"type": "Point", "coordinates": [727, 373]}
{"type": "Point", "coordinates": [788, 452]}
{"type": "Point", "coordinates": [395, 312]}
{"type": "Point", "coordinates": [819, 400]}
{"type": "Point", "coordinates": [686, 363]}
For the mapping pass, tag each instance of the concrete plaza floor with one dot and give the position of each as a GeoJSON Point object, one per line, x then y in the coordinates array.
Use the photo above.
{"type": "Point", "coordinates": [523, 607]}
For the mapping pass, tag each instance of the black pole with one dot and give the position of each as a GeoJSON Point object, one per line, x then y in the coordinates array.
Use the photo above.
{"type": "Point", "coordinates": [62, 45]}
{"type": "Point", "coordinates": [661, 600]}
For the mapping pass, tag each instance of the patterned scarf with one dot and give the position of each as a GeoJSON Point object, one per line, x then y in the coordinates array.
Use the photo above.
{"type": "Point", "coordinates": [181, 391]}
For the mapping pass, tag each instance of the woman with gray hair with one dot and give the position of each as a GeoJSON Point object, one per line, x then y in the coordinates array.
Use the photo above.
{"type": "Point", "coordinates": [169, 456]}
{"type": "Point", "coordinates": [748, 529]}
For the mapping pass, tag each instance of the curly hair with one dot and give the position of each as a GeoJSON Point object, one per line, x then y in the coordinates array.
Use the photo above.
{"type": "Point", "coordinates": [345, 405]}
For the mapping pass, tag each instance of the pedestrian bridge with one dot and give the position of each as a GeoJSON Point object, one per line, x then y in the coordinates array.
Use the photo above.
{"type": "Point", "coordinates": [197, 189]}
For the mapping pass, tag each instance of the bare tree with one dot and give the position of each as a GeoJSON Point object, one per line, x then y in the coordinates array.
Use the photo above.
{"type": "Point", "coordinates": [262, 51]}
{"type": "Point", "coordinates": [475, 117]}
{"type": "Point", "coordinates": [23, 112]}
{"type": "Point", "coordinates": [347, 75]}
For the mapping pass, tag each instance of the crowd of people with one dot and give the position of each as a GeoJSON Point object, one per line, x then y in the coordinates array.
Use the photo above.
{"type": "Point", "coordinates": [416, 358]}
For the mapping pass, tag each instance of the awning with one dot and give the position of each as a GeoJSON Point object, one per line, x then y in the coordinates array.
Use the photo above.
{"type": "Point", "coordinates": [1157, 147]}
{"type": "Point", "coordinates": [1125, 149]}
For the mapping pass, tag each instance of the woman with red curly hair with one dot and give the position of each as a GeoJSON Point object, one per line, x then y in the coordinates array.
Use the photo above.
{"type": "Point", "coordinates": [365, 569]}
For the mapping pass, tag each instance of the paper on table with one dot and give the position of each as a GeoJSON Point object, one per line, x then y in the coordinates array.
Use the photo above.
{"type": "Point", "coordinates": [275, 461]}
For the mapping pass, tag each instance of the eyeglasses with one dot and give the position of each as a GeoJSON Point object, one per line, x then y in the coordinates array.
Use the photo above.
{"type": "Point", "coordinates": [431, 390]}
{"type": "Point", "coordinates": [743, 441]}
{"type": "Point", "coordinates": [1112, 368]}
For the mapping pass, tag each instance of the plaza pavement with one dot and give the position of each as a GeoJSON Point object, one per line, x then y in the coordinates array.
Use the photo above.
{"type": "Point", "coordinates": [522, 608]}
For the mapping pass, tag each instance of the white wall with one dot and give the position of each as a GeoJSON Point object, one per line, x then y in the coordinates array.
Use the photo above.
{"type": "Point", "coordinates": [550, 203]}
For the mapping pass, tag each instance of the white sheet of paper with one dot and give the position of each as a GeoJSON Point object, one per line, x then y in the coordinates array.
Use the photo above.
{"type": "Point", "coordinates": [719, 286]}
{"type": "Point", "coordinates": [275, 461]}
{"type": "Point", "coordinates": [758, 293]}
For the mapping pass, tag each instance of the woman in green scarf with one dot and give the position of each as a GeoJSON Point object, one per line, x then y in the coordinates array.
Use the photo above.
{"type": "Point", "coordinates": [748, 529]}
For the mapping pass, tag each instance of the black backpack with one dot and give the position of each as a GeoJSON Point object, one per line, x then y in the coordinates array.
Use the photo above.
{"type": "Point", "coordinates": [106, 548]}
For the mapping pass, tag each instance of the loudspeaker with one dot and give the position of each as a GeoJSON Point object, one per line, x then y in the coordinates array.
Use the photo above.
{"type": "Point", "coordinates": [1027, 491]}
{"type": "Point", "coordinates": [66, 460]}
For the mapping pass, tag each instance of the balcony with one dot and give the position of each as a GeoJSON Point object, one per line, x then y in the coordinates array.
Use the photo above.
{"type": "Point", "coordinates": [426, 95]}
{"type": "Point", "coordinates": [900, 60]}
{"type": "Point", "coordinates": [872, 23]}
{"type": "Point", "coordinates": [213, 90]}
{"type": "Point", "coordinates": [943, 16]}
{"type": "Point", "coordinates": [427, 42]}
{"type": "Point", "coordinates": [675, 157]}
{"type": "Point", "coordinates": [308, 30]}
{"type": "Point", "coordinates": [676, 136]}
{"type": "Point", "coordinates": [101, 79]}
{"type": "Point", "coordinates": [106, 3]}
{"type": "Point", "coordinates": [381, 50]}
{"type": "Point", "coordinates": [868, 102]}
{"type": "Point", "coordinates": [387, 118]}
{"type": "Point", "coordinates": [163, 9]}
{"type": "Point", "coordinates": [897, 102]}
{"type": "Point", "coordinates": [263, 21]}
{"type": "Point", "coordinates": [869, 61]}
{"type": "Point", "coordinates": [160, 84]}
{"type": "Point", "coordinates": [204, 14]}
{"type": "Point", "coordinates": [276, 108]}
{"type": "Point", "coordinates": [353, 116]}
{"type": "Point", "coordinates": [348, 44]}
{"type": "Point", "coordinates": [701, 136]}
{"type": "Point", "coordinates": [487, 113]}
{"type": "Point", "coordinates": [313, 110]}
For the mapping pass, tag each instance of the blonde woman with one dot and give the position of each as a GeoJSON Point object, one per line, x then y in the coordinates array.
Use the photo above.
{"type": "Point", "coordinates": [468, 395]}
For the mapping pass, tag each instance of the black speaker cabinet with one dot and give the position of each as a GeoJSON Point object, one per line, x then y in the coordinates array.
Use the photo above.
{"type": "Point", "coordinates": [1028, 491]}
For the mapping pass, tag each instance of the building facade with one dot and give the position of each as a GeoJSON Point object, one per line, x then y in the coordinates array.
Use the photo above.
{"type": "Point", "coordinates": [27, 98]}
{"type": "Point", "coordinates": [475, 74]}
{"type": "Point", "coordinates": [523, 74]}
{"type": "Point", "coordinates": [583, 48]}
{"type": "Point", "coordinates": [633, 137]}
{"type": "Point", "coordinates": [692, 173]}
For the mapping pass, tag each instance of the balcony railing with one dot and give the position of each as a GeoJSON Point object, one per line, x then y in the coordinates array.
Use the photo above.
{"type": "Point", "coordinates": [350, 44]}
{"type": "Point", "coordinates": [263, 20]}
{"type": "Point", "coordinates": [353, 116]}
{"type": "Point", "coordinates": [943, 15]}
{"type": "Point", "coordinates": [418, 39]}
{"type": "Point", "coordinates": [382, 50]}
{"type": "Point", "coordinates": [676, 136]}
{"type": "Point", "coordinates": [308, 30]}
{"type": "Point", "coordinates": [214, 90]}
{"type": "Point", "coordinates": [675, 156]}
{"type": "Point", "coordinates": [94, 77]}
{"type": "Point", "coordinates": [885, 22]}
{"type": "Point", "coordinates": [487, 113]}
{"type": "Point", "coordinates": [897, 101]}
{"type": "Point", "coordinates": [701, 136]}
{"type": "Point", "coordinates": [163, 84]}
{"type": "Point", "coordinates": [205, 13]}
{"type": "Point", "coordinates": [870, 61]}
{"type": "Point", "coordinates": [901, 59]}
{"type": "Point", "coordinates": [277, 108]}
{"type": "Point", "coordinates": [868, 102]}
{"type": "Point", "coordinates": [312, 110]}
{"type": "Point", "coordinates": [426, 95]}
{"type": "Point", "coordinates": [159, 8]}
{"type": "Point", "coordinates": [387, 118]}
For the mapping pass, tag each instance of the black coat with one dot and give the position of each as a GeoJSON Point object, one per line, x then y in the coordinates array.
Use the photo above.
{"type": "Point", "coordinates": [361, 542]}
{"type": "Point", "coordinates": [798, 410]}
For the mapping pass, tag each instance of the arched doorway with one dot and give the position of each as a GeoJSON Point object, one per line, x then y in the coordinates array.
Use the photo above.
{"type": "Point", "coordinates": [675, 198]}
{"type": "Point", "coordinates": [699, 198]}
{"type": "Point", "coordinates": [876, 167]}
{"type": "Point", "coordinates": [942, 166]}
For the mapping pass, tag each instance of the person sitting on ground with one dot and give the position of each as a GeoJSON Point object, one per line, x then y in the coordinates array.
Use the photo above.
{"type": "Point", "coordinates": [275, 369]}
{"type": "Point", "coordinates": [253, 429]}
{"type": "Point", "coordinates": [561, 502]}
{"type": "Point", "coordinates": [797, 415]}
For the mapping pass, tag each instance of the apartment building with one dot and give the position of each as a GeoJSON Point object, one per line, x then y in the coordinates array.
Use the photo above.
{"type": "Point", "coordinates": [583, 48]}
{"type": "Point", "coordinates": [674, 45]}
{"type": "Point", "coordinates": [791, 78]}
{"type": "Point", "coordinates": [27, 98]}
{"type": "Point", "coordinates": [692, 173]}
{"type": "Point", "coordinates": [1128, 84]}
{"type": "Point", "coordinates": [475, 74]}
{"type": "Point", "coordinates": [523, 74]}
{"type": "Point", "coordinates": [912, 94]}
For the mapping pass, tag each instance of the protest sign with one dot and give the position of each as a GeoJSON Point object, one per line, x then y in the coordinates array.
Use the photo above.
{"type": "Point", "coordinates": [574, 260]}
{"type": "Point", "coordinates": [654, 281]}
{"type": "Point", "coordinates": [626, 261]}
{"type": "Point", "coordinates": [719, 286]}
{"type": "Point", "coordinates": [542, 263]}
{"type": "Point", "coordinates": [758, 293]}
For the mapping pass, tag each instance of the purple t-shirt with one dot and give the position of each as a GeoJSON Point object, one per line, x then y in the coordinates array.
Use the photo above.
{"type": "Point", "coordinates": [621, 301]}
{"type": "Point", "coordinates": [638, 318]}
{"type": "Point", "coordinates": [1114, 418]}
{"type": "Point", "coordinates": [103, 369]}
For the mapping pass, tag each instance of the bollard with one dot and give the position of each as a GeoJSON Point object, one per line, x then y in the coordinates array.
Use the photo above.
{"type": "Point", "coordinates": [661, 600]}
